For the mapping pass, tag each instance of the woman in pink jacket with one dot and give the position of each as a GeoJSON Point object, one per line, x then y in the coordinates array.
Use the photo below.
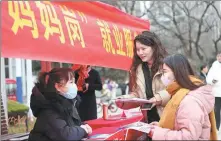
{"type": "Point", "coordinates": [189, 113]}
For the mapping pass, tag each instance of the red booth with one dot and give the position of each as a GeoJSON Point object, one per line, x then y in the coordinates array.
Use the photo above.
{"type": "Point", "coordinates": [83, 32]}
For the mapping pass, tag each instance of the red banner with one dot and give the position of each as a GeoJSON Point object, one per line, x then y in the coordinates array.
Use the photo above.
{"type": "Point", "coordinates": [73, 32]}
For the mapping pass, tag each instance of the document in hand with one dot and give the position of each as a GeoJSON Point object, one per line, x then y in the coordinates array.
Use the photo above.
{"type": "Point", "coordinates": [99, 136]}
{"type": "Point", "coordinates": [139, 126]}
{"type": "Point", "coordinates": [137, 131]}
{"type": "Point", "coordinates": [134, 131]}
{"type": "Point", "coordinates": [133, 100]}
{"type": "Point", "coordinates": [119, 135]}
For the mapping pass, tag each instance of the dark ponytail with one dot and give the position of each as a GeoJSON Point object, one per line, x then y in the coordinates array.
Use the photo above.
{"type": "Point", "coordinates": [46, 80]}
{"type": "Point", "coordinates": [42, 78]}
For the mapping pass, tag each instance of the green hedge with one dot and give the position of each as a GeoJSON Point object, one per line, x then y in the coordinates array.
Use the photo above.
{"type": "Point", "coordinates": [16, 107]}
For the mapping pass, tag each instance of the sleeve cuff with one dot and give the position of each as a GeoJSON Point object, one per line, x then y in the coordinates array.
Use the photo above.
{"type": "Point", "coordinates": [159, 133]}
{"type": "Point", "coordinates": [159, 99]}
{"type": "Point", "coordinates": [165, 97]}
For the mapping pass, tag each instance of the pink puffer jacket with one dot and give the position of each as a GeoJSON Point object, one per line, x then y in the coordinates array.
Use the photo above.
{"type": "Point", "coordinates": [192, 120]}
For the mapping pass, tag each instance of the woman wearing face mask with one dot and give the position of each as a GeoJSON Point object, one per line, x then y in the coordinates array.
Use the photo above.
{"type": "Point", "coordinates": [145, 79]}
{"type": "Point", "coordinates": [189, 113]}
{"type": "Point", "coordinates": [53, 102]}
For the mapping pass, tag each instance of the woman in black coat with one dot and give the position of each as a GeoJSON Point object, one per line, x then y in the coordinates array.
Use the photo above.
{"type": "Point", "coordinates": [88, 107]}
{"type": "Point", "coordinates": [53, 102]}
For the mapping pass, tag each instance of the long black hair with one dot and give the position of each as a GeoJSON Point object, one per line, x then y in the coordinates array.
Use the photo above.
{"type": "Point", "coordinates": [182, 69]}
{"type": "Point", "coordinates": [149, 39]}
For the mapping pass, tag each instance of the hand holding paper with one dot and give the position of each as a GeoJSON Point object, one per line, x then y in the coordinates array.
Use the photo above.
{"type": "Point", "coordinates": [139, 126]}
{"type": "Point", "coordinates": [128, 103]}
{"type": "Point", "coordinates": [133, 100]}
{"type": "Point", "coordinates": [154, 123]}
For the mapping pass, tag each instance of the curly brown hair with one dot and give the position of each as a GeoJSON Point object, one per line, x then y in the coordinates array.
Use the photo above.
{"type": "Point", "coordinates": [159, 53]}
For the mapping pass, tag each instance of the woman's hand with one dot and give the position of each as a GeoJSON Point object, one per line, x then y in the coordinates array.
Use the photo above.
{"type": "Point", "coordinates": [87, 128]}
{"type": "Point", "coordinates": [156, 100]}
{"type": "Point", "coordinates": [154, 124]}
{"type": "Point", "coordinates": [152, 127]}
{"type": "Point", "coordinates": [152, 100]}
{"type": "Point", "coordinates": [151, 132]}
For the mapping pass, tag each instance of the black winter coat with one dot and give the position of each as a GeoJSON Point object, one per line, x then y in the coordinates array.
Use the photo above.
{"type": "Point", "coordinates": [57, 118]}
{"type": "Point", "coordinates": [88, 107]}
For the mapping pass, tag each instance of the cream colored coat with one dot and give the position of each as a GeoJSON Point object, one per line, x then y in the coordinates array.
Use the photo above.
{"type": "Point", "coordinates": [157, 87]}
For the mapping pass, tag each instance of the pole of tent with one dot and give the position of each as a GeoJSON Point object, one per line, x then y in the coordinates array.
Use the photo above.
{"type": "Point", "coordinates": [45, 66]}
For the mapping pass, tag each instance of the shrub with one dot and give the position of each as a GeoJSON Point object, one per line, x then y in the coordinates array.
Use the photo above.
{"type": "Point", "coordinates": [16, 107]}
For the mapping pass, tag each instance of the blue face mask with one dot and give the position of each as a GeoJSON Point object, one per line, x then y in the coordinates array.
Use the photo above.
{"type": "Point", "coordinates": [72, 92]}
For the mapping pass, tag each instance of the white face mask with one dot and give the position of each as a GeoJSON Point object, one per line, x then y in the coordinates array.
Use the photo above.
{"type": "Point", "coordinates": [71, 93]}
{"type": "Point", "coordinates": [167, 79]}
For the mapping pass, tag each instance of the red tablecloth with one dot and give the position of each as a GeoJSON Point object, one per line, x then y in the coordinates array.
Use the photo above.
{"type": "Point", "coordinates": [115, 133]}
{"type": "Point", "coordinates": [105, 130]}
{"type": "Point", "coordinates": [99, 123]}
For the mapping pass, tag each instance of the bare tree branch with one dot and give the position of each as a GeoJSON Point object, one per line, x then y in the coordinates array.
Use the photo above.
{"type": "Point", "coordinates": [187, 11]}
{"type": "Point", "coordinates": [126, 6]}
{"type": "Point", "coordinates": [216, 41]}
{"type": "Point", "coordinates": [132, 7]}
{"type": "Point", "coordinates": [217, 12]}
{"type": "Point", "coordinates": [181, 24]}
{"type": "Point", "coordinates": [200, 31]}
{"type": "Point", "coordinates": [176, 23]}
{"type": "Point", "coordinates": [184, 23]}
{"type": "Point", "coordinates": [158, 23]}
{"type": "Point", "coordinates": [141, 16]}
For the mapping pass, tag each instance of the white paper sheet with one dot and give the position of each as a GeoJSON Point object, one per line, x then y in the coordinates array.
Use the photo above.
{"type": "Point", "coordinates": [139, 126]}
{"type": "Point", "coordinates": [133, 100]}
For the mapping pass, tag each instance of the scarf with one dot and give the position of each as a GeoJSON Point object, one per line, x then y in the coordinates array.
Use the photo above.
{"type": "Point", "coordinates": [83, 74]}
{"type": "Point", "coordinates": [169, 114]}
{"type": "Point", "coordinates": [152, 114]}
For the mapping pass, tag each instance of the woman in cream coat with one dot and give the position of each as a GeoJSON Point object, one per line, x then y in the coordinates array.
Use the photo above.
{"type": "Point", "coordinates": [145, 75]}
